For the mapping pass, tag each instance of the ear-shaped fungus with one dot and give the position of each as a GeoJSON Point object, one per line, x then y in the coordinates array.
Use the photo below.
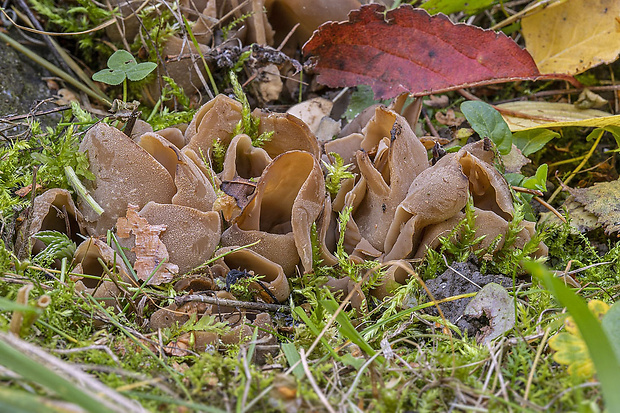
{"type": "Point", "coordinates": [395, 275]}
{"type": "Point", "coordinates": [87, 260]}
{"type": "Point", "coordinates": [191, 235]}
{"type": "Point", "coordinates": [289, 134]}
{"type": "Point", "coordinates": [53, 210]}
{"type": "Point", "coordinates": [243, 160]}
{"type": "Point", "coordinates": [399, 158]}
{"type": "Point", "coordinates": [215, 121]}
{"type": "Point", "coordinates": [273, 277]}
{"type": "Point", "coordinates": [437, 194]}
{"type": "Point", "coordinates": [193, 189]}
{"type": "Point", "coordinates": [125, 173]}
{"type": "Point", "coordinates": [288, 199]}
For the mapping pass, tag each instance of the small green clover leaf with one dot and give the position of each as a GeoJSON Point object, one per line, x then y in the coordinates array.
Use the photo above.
{"type": "Point", "coordinates": [122, 65]}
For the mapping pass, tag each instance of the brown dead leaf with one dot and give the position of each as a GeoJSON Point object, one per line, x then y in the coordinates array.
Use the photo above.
{"type": "Point", "coordinates": [603, 200]}
{"type": "Point", "coordinates": [449, 118]}
{"type": "Point", "coordinates": [573, 36]}
{"type": "Point", "coordinates": [22, 192]}
{"type": "Point", "coordinates": [150, 250]}
{"type": "Point", "coordinates": [407, 50]}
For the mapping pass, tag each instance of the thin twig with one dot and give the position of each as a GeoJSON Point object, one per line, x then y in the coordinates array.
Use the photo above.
{"type": "Point", "coordinates": [288, 36]}
{"type": "Point", "coordinates": [550, 208]}
{"type": "Point", "coordinates": [317, 389]}
{"type": "Point", "coordinates": [534, 192]}
{"type": "Point", "coordinates": [34, 114]}
{"type": "Point", "coordinates": [530, 378]}
{"type": "Point", "coordinates": [231, 303]}
{"type": "Point", "coordinates": [94, 347]}
{"type": "Point", "coordinates": [579, 167]}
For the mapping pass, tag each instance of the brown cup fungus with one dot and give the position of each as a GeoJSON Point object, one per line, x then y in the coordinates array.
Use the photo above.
{"type": "Point", "coordinates": [289, 197]}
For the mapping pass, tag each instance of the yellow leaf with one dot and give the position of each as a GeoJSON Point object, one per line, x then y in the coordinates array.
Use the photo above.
{"type": "Point", "coordinates": [572, 351]}
{"type": "Point", "coordinates": [570, 348]}
{"type": "Point", "coordinates": [554, 115]}
{"type": "Point", "coordinates": [573, 36]}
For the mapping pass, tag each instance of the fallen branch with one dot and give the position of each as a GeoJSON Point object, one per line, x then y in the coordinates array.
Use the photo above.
{"type": "Point", "coordinates": [231, 303]}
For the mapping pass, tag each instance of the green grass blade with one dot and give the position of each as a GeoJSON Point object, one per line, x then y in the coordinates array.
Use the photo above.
{"type": "Point", "coordinates": [293, 357]}
{"type": "Point", "coordinates": [315, 330]}
{"type": "Point", "coordinates": [195, 407]}
{"type": "Point", "coordinates": [8, 305]}
{"type": "Point", "coordinates": [347, 329]}
{"type": "Point", "coordinates": [34, 371]}
{"type": "Point", "coordinates": [599, 347]}
{"type": "Point", "coordinates": [17, 401]}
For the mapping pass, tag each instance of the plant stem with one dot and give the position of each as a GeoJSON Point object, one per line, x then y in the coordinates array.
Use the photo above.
{"type": "Point", "coordinates": [75, 183]}
{"type": "Point", "coordinates": [197, 46]}
{"type": "Point", "coordinates": [125, 90]}
{"type": "Point", "coordinates": [55, 70]}
{"type": "Point", "coordinates": [600, 132]}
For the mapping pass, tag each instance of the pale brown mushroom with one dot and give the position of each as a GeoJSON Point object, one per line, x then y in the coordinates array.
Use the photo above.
{"type": "Point", "coordinates": [341, 287]}
{"type": "Point", "coordinates": [193, 188]}
{"type": "Point", "coordinates": [191, 236]}
{"type": "Point", "coordinates": [384, 182]}
{"type": "Point", "coordinates": [289, 197]}
{"type": "Point", "coordinates": [125, 173]}
{"type": "Point", "coordinates": [243, 160]}
{"type": "Point", "coordinates": [53, 210]}
{"type": "Point", "coordinates": [289, 134]}
{"type": "Point", "coordinates": [487, 185]}
{"type": "Point", "coordinates": [88, 259]}
{"type": "Point", "coordinates": [173, 135]}
{"type": "Point", "coordinates": [437, 194]}
{"type": "Point", "coordinates": [272, 274]}
{"type": "Point", "coordinates": [214, 121]}
{"type": "Point", "coordinates": [395, 275]}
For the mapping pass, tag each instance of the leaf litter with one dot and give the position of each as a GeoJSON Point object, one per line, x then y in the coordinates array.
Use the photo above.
{"type": "Point", "coordinates": [348, 207]}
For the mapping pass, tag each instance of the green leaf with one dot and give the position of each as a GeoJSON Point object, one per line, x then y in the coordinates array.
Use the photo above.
{"type": "Point", "coordinates": [292, 356]}
{"type": "Point", "coordinates": [601, 351]}
{"type": "Point", "coordinates": [615, 131]}
{"type": "Point", "coordinates": [110, 77]}
{"type": "Point", "coordinates": [611, 325]}
{"type": "Point", "coordinates": [538, 181]}
{"type": "Point", "coordinates": [487, 122]}
{"type": "Point", "coordinates": [361, 98]}
{"type": "Point", "coordinates": [454, 6]}
{"type": "Point", "coordinates": [140, 71]}
{"type": "Point", "coordinates": [347, 329]}
{"type": "Point", "coordinates": [316, 330]}
{"type": "Point", "coordinates": [121, 60]}
{"type": "Point", "coordinates": [532, 140]}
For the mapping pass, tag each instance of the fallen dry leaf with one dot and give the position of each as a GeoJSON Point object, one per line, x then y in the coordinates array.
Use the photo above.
{"type": "Point", "coordinates": [534, 114]}
{"type": "Point", "coordinates": [603, 200]}
{"type": "Point", "coordinates": [494, 303]}
{"type": "Point", "coordinates": [150, 251]}
{"type": "Point", "coordinates": [573, 36]}
{"type": "Point", "coordinates": [407, 50]}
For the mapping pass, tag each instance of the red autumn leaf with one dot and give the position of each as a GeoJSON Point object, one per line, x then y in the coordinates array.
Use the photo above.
{"type": "Point", "coordinates": [407, 50]}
